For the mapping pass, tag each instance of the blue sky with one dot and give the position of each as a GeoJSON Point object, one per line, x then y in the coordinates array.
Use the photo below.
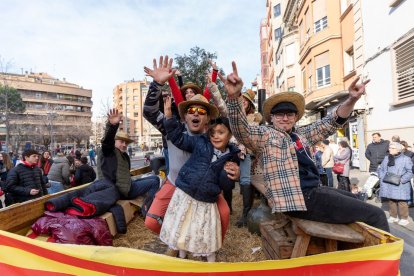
{"type": "Point", "coordinates": [99, 44]}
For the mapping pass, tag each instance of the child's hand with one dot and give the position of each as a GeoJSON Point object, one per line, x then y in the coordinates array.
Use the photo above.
{"type": "Point", "coordinates": [232, 170]}
{"type": "Point", "coordinates": [167, 107]}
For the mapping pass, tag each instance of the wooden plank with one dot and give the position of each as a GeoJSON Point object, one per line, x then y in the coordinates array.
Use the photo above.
{"type": "Point", "coordinates": [301, 246]}
{"type": "Point", "coordinates": [278, 239]}
{"type": "Point", "coordinates": [140, 170]}
{"type": "Point", "coordinates": [331, 245]}
{"type": "Point", "coordinates": [340, 232]}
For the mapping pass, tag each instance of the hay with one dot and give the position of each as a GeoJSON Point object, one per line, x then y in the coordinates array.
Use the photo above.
{"type": "Point", "coordinates": [237, 246]}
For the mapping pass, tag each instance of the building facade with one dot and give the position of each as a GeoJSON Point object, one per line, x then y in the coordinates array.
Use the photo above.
{"type": "Point", "coordinates": [57, 112]}
{"type": "Point", "coordinates": [129, 99]}
{"type": "Point", "coordinates": [389, 52]}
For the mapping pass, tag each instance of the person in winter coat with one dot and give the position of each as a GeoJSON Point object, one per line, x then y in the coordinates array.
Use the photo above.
{"type": "Point", "coordinates": [376, 151]}
{"type": "Point", "coordinates": [45, 163]}
{"type": "Point", "coordinates": [343, 156]}
{"type": "Point", "coordinates": [398, 195]}
{"type": "Point", "coordinates": [84, 173]}
{"type": "Point", "coordinates": [59, 174]}
{"type": "Point", "coordinates": [114, 164]}
{"type": "Point", "coordinates": [25, 182]}
{"type": "Point", "coordinates": [327, 160]}
{"type": "Point", "coordinates": [192, 221]}
{"type": "Point", "coordinates": [5, 166]}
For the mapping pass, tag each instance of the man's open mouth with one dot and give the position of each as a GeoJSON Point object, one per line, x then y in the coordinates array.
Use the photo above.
{"type": "Point", "coordinates": [195, 121]}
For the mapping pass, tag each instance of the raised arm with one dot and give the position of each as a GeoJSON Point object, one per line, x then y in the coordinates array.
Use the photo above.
{"type": "Point", "coordinates": [175, 133]}
{"type": "Point", "coordinates": [356, 90]}
{"type": "Point", "coordinates": [175, 91]}
{"type": "Point", "coordinates": [112, 124]}
{"type": "Point", "coordinates": [218, 99]}
{"type": "Point", "coordinates": [253, 137]}
{"type": "Point", "coordinates": [160, 74]}
{"type": "Point", "coordinates": [207, 92]}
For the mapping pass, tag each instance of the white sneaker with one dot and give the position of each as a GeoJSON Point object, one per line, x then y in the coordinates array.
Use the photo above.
{"type": "Point", "coordinates": [392, 220]}
{"type": "Point", "coordinates": [403, 222]}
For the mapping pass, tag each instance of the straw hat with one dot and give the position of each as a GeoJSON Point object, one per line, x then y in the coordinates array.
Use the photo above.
{"type": "Point", "coordinates": [195, 87]}
{"type": "Point", "coordinates": [122, 135]}
{"type": "Point", "coordinates": [249, 95]}
{"type": "Point", "coordinates": [198, 100]}
{"type": "Point", "coordinates": [291, 97]}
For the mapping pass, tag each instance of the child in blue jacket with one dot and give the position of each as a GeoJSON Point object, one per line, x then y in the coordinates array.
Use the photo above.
{"type": "Point", "coordinates": [192, 221]}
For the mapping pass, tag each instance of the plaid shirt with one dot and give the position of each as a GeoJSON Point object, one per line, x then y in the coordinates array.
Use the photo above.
{"type": "Point", "coordinates": [276, 151]}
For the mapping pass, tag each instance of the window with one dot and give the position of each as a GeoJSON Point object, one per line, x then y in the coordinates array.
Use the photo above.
{"type": "Point", "coordinates": [135, 98]}
{"type": "Point", "coordinates": [38, 95]}
{"type": "Point", "coordinates": [291, 84]}
{"type": "Point", "coordinates": [278, 34]}
{"type": "Point", "coordinates": [324, 75]}
{"type": "Point", "coordinates": [349, 61]}
{"type": "Point", "coordinates": [290, 54]}
{"type": "Point", "coordinates": [135, 114]}
{"type": "Point", "coordinates": [321, 24]}
{"type": "Point", "coordinates": [276, 10]}
{"type": "Point", "coordinates": [310, 73]}
{"type": "Point", "coordinates": [303, 79]}
{"type": "Point", "coordinates": [403, 70]}
{"type": "Point", "coordinates": [128, 114]}
{"type": "Point", "coordinates": [320, 18]}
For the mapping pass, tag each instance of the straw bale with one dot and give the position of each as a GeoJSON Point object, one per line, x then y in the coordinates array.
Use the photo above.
{"type": "Point", "coordinates": [237, 246]}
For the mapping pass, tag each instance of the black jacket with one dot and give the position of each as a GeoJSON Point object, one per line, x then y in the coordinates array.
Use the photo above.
{"type": "Point", "coordinates": [375, 153]}
{"type": "Point", "coordinates": [84, 174]}
{"type": "Point", "coordinates": [199, 177]}
{"type": "Point", "coordinates": [22, 179]}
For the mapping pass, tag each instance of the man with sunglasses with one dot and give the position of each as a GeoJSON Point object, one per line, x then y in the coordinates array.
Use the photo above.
{"type": "Point", "coordinates": [292, 183]}
{"type": "Point", "coordinates": [196, 120]}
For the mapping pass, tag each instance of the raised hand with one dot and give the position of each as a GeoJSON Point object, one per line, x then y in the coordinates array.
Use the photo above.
{"type": "Point", "coordinates": [161, 72]}
{"type": "Point", "coordinates": [114, 117]}
{"type": "Point", "coordinates": [213, 64]}
{"type": "Point", "coordinates": [233, 83]}
{"type": "Point", "coordinates": [167, 107]}
{"type": "Point", "coordinates": [356, 90]}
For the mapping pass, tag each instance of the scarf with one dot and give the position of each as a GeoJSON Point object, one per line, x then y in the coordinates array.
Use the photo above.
{"type": "Point", "coordinates": [29, 164]}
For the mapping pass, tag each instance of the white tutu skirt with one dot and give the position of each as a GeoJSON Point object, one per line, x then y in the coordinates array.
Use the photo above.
{"type": "Point", "coordinates": [191, 225]}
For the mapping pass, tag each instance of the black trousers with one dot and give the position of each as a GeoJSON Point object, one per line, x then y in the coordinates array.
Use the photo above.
{"type": "Point", "coordinates": [330, 205]}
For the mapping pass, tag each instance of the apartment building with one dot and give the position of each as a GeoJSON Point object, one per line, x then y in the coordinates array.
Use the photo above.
{"type": "Point", "coordinates": [129, 97]}
{"type": "Point", "coordinates": [57, 111]}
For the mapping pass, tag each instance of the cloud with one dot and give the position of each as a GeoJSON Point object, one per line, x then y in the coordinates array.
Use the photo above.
{"type": "Point", "coordinates": [99, 44]}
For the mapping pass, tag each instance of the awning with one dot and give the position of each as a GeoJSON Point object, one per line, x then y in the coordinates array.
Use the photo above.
{"type": "Point", "coordinates": [326, 101]}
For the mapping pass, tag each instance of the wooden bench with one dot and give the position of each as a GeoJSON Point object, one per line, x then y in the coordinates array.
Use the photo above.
{"type": "Point", "coordinates": [331, 233]}
{"type": "Point", "coordinates": [299, 237]}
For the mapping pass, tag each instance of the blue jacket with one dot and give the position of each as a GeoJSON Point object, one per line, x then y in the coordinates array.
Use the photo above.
{"type": "Point", "coordinates": [403, 167]}
{"type": "Point", "coordinates": [200, 178]}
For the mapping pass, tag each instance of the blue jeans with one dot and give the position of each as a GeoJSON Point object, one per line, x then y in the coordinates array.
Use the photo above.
{"type": "Point", "coordinates": [146, 185]}
{"type": "Point", "coordinates": [55, 186]}
{"type": "Point", "coordinates": [245, 166]}
{"type": "Point", "coordinates": [329, 174]}
{"type": "Point", "coordinates": [167, 167]}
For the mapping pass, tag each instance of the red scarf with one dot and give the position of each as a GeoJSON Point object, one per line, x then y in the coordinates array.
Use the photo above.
{"type": "Point", "coordinates": [29, 165]}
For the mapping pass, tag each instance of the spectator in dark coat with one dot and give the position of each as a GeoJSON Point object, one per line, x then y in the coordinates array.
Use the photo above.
{"type": "Point", "coordinates": [376, 151]}
{"type": "Point", "coordinates": [25, 182]}
{"type": "Point", "coordinates": [84, 173]}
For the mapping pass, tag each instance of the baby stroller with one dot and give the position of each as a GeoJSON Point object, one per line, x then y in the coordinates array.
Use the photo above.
{"type": "Point", "coordinates": [372, 185]}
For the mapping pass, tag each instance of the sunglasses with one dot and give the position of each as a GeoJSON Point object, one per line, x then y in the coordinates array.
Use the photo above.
{"type": "Point", "coordinates": [200, 110]}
